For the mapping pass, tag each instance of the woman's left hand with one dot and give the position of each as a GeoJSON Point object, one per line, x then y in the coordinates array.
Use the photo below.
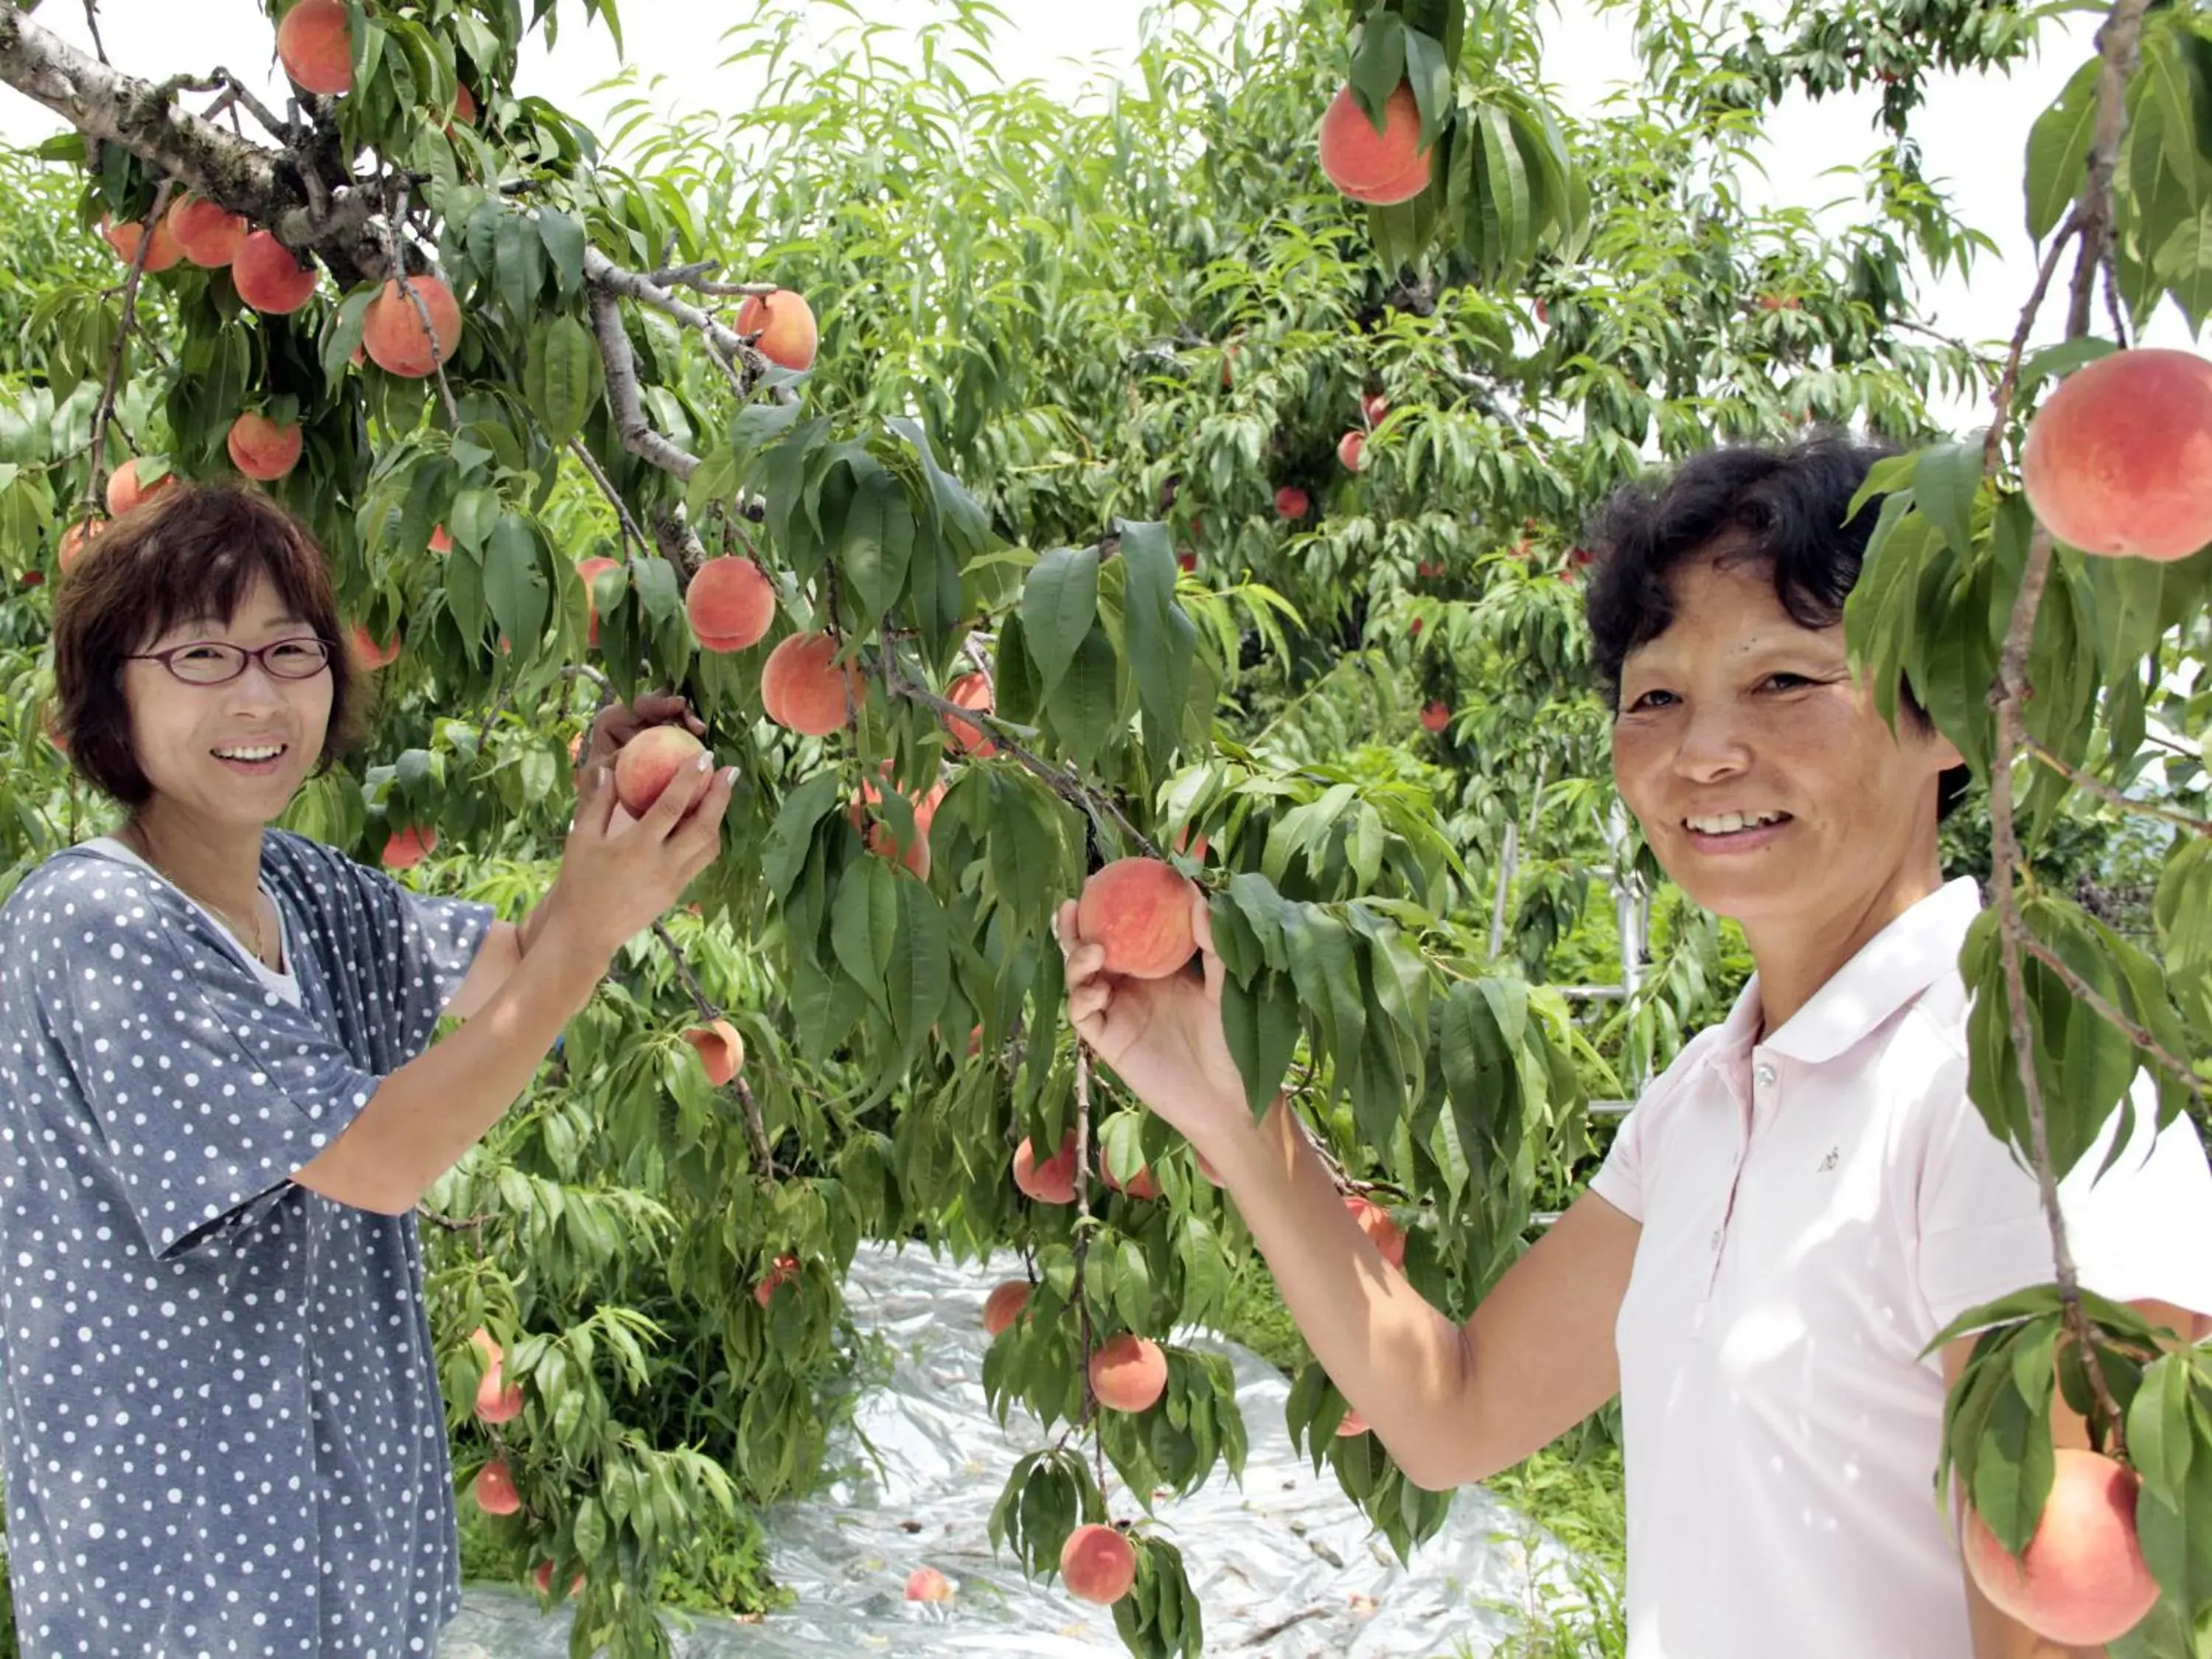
{"type": "Point", "coordinates": [617, 723]}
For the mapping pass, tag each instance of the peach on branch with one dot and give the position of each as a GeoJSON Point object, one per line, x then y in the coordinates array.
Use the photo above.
{"type": "Point", "coordinates": [721, 1050]}
{"type": "Point", "coordinates": [587, 571]}
{"type": "Point", "coordinates": [261, 449]}
{"type": "Point", "coordinates": [644, 765]}
{"type": "Point", "coordinates": [1435, 716]}
{"type": "Point", "coordinates": [1003, 1305]}
{"type": "Point", "coordinates": [1292, 502]}
{"type": "Point", "coordinates": [1373, 406]}
{"type": "Point", "coordinates": [268, 277]}
{"type": "Point", "coordinates": [77, 538]}
{"type": "Point", "coordinates": [205, 234]}
{"type": "Point", "coordinates": [497, 1400]}
{"type": "Point", "coordinates": [543, 1577]}
{"type": "Point", "coordinates": [126, 492]}
{"type": "Point", "coordinates": [781, 1272]}
{"type": "Point", "coordinates": [785, 323]}
{"type": "Point", "coordinates": [971, 691]}
{"type": "Point", "coordinates": [368, 654]}
{"type": "Point", "coordinates": [1128, 1373]}
{"type": "Point", "coordinates": [441, 543]}
{"type": "Point", "coordinates": [730, 603]}
{"type": "Point", "coordinates": [408, 848]}
{"type": "Point", "coordinates": [1351, 449]}
{"type": "Point", "coordinates": [1143, 1184]}
{"type": "Point", "coordinates": [2118, 460]}
{"type": "Point", "coordinates": [392, 331]}
{"type": "Point", "coordinates": [1098, 1563]}
{"type": "Point", "coordinates": [1139, 908]}
{"type": "Point", "coordinates": [315, 44]}
{"type": "Point", "coordinates": [1350, 1424]}
{"type": "Point", "coordinates": [494, 1489]}
{"type": "Point", "coordinates": [1052, 1182]}
{"type": "Point", "coordinates": [2082, 1581]}
{"type": "Point", "coordinates": [1376, 167]}
{"type": "Point", "coordinates": [1375, 1221]}
{"type": "Point", "coordinates": [161, 254]}
{"type": "Point", "coordinates": [805, 690]}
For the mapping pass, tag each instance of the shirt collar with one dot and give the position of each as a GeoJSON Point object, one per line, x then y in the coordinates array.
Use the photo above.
{"type": "Point", "coordinates": [1891, 968]}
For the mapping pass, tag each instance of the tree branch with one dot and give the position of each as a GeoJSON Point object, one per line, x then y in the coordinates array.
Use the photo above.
{"type": "Point", "coordinates": [106, 410]}
{"type": "Point", "coordinates": [623, 399]}
{"type": "Point", "coordinates": [2138, 1034]}
{"type": "Point", "coordinates": [2105, 792]}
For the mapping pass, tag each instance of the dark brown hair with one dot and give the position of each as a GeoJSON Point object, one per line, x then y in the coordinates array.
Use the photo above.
{"type": "Point", "coordinates": [191, 551]}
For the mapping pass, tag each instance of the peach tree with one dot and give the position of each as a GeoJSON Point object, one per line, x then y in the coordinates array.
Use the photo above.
{"type": "Point", "coordinates": [1137, 518]}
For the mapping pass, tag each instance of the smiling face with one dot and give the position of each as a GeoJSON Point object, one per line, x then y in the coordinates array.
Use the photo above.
{"type": "Point", "coordinates": [1738, 715]}
{"type": "Point", "coordinates": [188, 738]}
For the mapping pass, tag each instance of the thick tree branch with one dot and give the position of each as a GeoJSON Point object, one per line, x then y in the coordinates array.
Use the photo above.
{"type": "Point", "coordinates": [623, 397]}
{"type": "Point", "coordinates": [123, 332]}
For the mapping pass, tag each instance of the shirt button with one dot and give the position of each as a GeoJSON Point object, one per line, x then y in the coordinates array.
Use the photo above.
{"type": "Point", "coordinates": [1764, 1076]}
{"type": "Point", "coordinates": [1717, 1238]}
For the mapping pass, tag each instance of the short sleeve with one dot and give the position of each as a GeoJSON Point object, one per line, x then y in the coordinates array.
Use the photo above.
{"type": "Point", "coordinates": [2141, 1232]}
{"type": "Point", "coordinates": [206, 1090]}
{"type": "Point", "coordinates": [426, 944]}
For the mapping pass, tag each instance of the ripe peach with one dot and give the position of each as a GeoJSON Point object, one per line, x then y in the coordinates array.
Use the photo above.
{"type": "Point", "coordinates": [1375, 1221]}
{"type": "Point", "coordinates": [1128, 1373]}
{"type": "Point", "coordinates": [497, 1401]}
{"type": "Point", "coordinates": [408, 848]}
{"type": "Point", "coordinates": [1292, 502]}
{"type": "Point", "coordinates": [1052, 1182]}
{"type": "Point", "coordinates": [971, 691]}
{"type": "Point", "coordinates": [315, 44]}
{"type": "Point", "coordinates": [785, 323]}
{"type": "Point", "coordinates": [883, 839]}
{"type": "Point", "coordinates": [369, 654]}
{"type": "Point", "coordinates": [1435, 716]}
{"type": "Point", "coordinates": [465, 108]}
{"type": "Point", "coordinates": [784, 1270]}
{"type": "Point", "coordinates": [928, 1584]}
{"type": "Point", "coordinates": [123, 239]}
{"type": "Point", "coordinates": [1371, 167]}
{"type": "Point", "coordinates": [644, 765]}
{"type": "Point", "coordinates": [1373, 406]}
{"type": "Point", "coordinates": [1350, 1424]}
{"type": "Point", "coordinates": [1003, 1305]}
{"type": "Point", "coordinates": [721, 1050]}
{"type": "Point", "coordinates": [730, 603]}
{"type": "Point", "coordinates": [2118, 460]}
{"type": "Point", "coordinates": [391, 330]}
{"type": "Point", "coordinates": [543, 1577]}
{"type": "Point", "coordinates": [803, 689]}
{"type": "Point", "coordinates": [75, 539]}
{"type": "Point", "coordinates": [1350, 448]}
{"type": "Point", "coordinates": [1098, 1563]}
{"type": "Point", "coordinates": [1143, 1184]}
{"type": "Point", "coordinates": [204, 233]}
{"type": "Point", "coordinates": [1187, 561]}
{"type": "Point", "coordinates": [261, 449]}
{"type": "Point", "coordinates": [2082, 1581]}
{"type": "Point", "coordinates": [124, 491]}
{"type": "Point", "coordinates": [268, 277]}
{"type": "Point", "coordinates": [1139, 909]}
{"type": "Point", "coordinates": [588, 570]}
{"type": "Point", "coordinates": [494, 1489]}
{"type": "Point", "coordinates": [441, 543]}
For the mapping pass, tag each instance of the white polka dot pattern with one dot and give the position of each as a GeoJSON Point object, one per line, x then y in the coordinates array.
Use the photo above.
{"type": "Point", "coordinates": [220, 1423]}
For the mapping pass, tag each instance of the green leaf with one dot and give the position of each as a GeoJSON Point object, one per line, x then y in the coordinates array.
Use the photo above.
{"type": "Point", "coordinates": [513, 586]}
{"type": "Point", "coordinates": [1162, 643]}
{"type": "Point", "coordinates": [920, 966]}
{"type": "Point", "coordinates": [1086, 709]}
{"type": "Point", "coordinates": [1060, 602]}
{"type": "Point", "coordinates": [563, 237]}
{"type": "Point", "coordinates": [1260, 1025]}
{"type": "Point", "coordinates": [864, 926]}
{"type": "Point", "coordinates": [1379, 62]}
{"type": "Point", "coordinates": [878, 543]}
{"type": "Point", "coordinates": [784, 856]}
{"type": "Point", "coordinates": [558, 378]}
{"type": "Point", "coordinates": [654, 578]}
{"type": "Point", "coordinates": [521, 267]}
{"type": "Point", "coordinates": [1945, 483]}
{"type": "Point", "coordinates": [2059, 151]}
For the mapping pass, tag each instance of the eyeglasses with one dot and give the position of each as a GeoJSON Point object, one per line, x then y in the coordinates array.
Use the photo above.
{"type": "Point", "coordinates": [215, 662]}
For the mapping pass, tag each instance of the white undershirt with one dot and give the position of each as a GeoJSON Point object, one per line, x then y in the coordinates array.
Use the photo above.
{"type": "Point", "coordinates": [282, 981]}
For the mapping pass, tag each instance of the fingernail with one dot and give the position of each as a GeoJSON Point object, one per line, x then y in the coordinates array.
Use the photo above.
{"type": "Point", "coordinates": [704, 761]}
{"type": "Point", "coordinates": [730, 776]}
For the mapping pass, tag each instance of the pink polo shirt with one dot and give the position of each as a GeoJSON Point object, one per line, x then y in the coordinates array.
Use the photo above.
{"type": "Point", "coordinates": [1814, 1208]}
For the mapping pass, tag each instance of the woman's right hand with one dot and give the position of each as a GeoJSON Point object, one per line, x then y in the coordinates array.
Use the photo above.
{"type": "Point", "coordinates": [1162, 1036]}
{"type": "Point", "coordinates": [619, 875]}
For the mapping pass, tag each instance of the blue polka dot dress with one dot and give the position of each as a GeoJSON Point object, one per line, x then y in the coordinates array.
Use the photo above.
{"type": "Point", "coordinates": [220, 1423]}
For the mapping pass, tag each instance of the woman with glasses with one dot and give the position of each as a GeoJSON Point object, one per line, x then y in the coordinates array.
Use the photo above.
{"type": "Point", "coordinates": [220, 1427]}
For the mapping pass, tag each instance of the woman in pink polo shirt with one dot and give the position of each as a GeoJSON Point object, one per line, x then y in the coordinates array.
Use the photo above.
{"type": "Point", "coordinates": [1803, 1199]}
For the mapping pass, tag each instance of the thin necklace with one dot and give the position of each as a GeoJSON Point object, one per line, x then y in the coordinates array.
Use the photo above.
{"type": "Point", "coordinates": [145, 850]}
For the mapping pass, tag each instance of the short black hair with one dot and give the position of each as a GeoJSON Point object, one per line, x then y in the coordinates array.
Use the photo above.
{"type": "Point", "coordinates": [1782, 503]}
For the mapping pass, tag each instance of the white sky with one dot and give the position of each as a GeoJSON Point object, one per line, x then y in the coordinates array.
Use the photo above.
{"type": "Point", "coordinates": [1972, 136]}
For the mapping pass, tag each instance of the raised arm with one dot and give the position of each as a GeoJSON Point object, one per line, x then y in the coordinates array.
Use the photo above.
{"type": "Point", "coordinates": [1452, 1403]}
